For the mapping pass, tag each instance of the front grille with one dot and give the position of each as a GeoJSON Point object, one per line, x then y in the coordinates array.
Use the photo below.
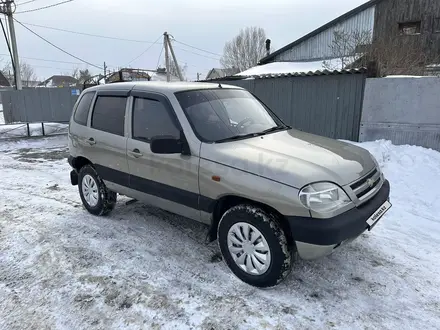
{"type": "Point", "coordinates": [366, 184]}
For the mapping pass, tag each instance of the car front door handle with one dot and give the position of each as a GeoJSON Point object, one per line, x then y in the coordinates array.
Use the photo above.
{"type": "Point", "coordinates": [91, 141]}
{"type": "Point", "coordinates": [135, 153]}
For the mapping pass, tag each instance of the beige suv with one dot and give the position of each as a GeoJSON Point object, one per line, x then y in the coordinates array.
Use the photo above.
{"type": "Point", "coordinates": [216, 154]}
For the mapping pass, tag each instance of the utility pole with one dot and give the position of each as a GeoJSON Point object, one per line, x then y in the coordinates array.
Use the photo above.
{"type": "Point", "coordinates": [105, 72]}
{"type": "Point", "coordinates": [167, 56]}
{"type": "Point", "coordinates": [198, 76]}
{"type": "Point", "coordinates": [6, 8]}
{"type": "Point", "coordinates": [174, 58]}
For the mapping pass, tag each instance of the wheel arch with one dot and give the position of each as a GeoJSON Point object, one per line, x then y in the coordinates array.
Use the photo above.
{"type": "Point", "coordinates": [78, 162]}
{"type": "Point", "coordinates": [224, 203]}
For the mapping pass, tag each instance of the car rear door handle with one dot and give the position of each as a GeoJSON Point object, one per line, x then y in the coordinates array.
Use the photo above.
{"type": "Point", "coordinates": [91, 141]}
{"type": "Point", "coordinates": [135, 153]}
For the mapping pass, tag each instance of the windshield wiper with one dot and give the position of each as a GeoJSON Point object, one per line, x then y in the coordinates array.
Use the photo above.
{"type": "Point", "coordinates": [273, 129]}
{"type": "Point", "coordinates": [244, 136]}
{"type": "Point", "coordinates": [237, 137]}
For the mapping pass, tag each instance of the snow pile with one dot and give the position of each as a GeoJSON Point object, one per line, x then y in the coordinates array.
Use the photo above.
{"type": "Point", "coordinates": [2, 117]}
{"type": "Point", "coordinates": [287, 67]}
{"type": "Point", "coordinates": [158, 76]}
{"type": "Point", "coordinates": [143, 268]}
{"type": "Point", "coordinates": [414, 173]}
{"type": "Point", "coordinates": [35, 129]}
{"type": "Point", "coordinates": [403, 76]}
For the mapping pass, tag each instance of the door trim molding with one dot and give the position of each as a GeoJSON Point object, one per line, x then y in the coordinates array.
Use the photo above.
{"type": "Point", "coordinates": [154, 188]}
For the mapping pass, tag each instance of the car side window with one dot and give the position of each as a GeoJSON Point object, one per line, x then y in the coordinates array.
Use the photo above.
{"type": "Point", "coordinates": [151, 118]}
{"type": "Point", "coordinates": [109, 114]}
{"type": "Point", "coordinates": [82, 110]}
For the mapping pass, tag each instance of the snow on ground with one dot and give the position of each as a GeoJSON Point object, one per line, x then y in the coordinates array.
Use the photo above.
{"type": "Point", "coordinates": [406, 76]}
{"type": "Point", "coordinates": [143, 268]}
{"type": "Point", "coordinates": [35, 129]}
{"type": "Point", "coordinates": [2, 117]}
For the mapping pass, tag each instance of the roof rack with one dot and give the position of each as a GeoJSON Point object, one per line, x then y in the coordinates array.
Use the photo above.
{"type": "Point", "coordinates": [122, 75]}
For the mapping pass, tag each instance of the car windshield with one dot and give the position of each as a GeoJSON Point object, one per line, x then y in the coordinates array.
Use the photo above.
{"type": "Point", "coordinates": [218, 115]}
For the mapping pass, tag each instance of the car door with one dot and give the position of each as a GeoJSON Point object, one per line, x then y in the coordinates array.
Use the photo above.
{"type": "Point", "coordinates": [79, 125]}
{"type": "Point", "coordinates": [107, 140]}
{"type": "Point", "coordinates": [168, 181]}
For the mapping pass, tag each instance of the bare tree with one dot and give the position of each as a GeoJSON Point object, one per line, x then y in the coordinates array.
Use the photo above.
{"type": "Point", "coordinates": [8, 72]}
{"type": "Point", "coordinates": [347, 48]}
{"type": "Point", "coordinates": [27, 72]}
{"type": "Point", "coordinates": [173, 69]}
{"type": "Point", "coordinates": [74, 74]}
{"type": "Point", "coordinates": [28, 75]}
{"type": "Point", "coordinates": [81, 75]}
{"type": "Point", "coordinates": [245, 50]}
{"type": "Point", "coordinates": [388, 56]}
{"type": "Point", "coordinates": [397, 56]}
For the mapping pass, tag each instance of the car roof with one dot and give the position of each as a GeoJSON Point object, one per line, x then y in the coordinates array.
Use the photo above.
{"type": "Point", "coordinates": [159, 86]}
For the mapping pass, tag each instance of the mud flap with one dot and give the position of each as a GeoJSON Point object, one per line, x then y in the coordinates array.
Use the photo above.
{"type": "Point", "coordinates": [74, 177]}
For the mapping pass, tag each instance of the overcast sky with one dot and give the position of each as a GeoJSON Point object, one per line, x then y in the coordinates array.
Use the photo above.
{"type": "Point", "coordinates": [204, 24]}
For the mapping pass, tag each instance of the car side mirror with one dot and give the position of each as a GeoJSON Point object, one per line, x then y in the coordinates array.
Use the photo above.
{"type": "Point", "coordinates": [165, 145]}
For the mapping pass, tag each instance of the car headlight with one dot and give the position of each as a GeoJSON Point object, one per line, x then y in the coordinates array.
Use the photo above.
{"type": "Point", "coordinates": [323, 197]}
{"type": "Point", "coordinates": [375, 162]}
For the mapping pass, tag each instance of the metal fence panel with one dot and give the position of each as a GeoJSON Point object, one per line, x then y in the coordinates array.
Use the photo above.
{"type": "Point", "coordinates": [327, 105]}
{"type": "Point", "coordinates": [39, 105]}
{"type": "Point", "coordinates": [248, 84]}
{"type": "Point", "coordinates": [3, 89]}
{"type": "Point", "coordinates": [403, 110]}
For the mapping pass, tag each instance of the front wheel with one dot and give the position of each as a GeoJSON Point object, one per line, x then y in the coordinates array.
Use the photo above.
{"type": "Point", "coordinates": [254, 246]}
{"type": "Point", "coordinates": [96, 198]}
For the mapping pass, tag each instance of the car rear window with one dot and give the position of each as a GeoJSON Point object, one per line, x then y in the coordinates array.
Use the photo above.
{"type": "Point", "coordinates": [82, 111]}
{"type": "Point", "coordinates": [109, 114]}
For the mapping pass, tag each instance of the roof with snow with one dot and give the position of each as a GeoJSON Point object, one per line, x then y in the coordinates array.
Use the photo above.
{"type": "Point", "coordinates": [59, 80]}
{"type": "Point", "coordinates": [4, 82]}
{"type": "Point", "coordinates": [219, 73]}
{"type": "Point", "coordinates": [286, 69]}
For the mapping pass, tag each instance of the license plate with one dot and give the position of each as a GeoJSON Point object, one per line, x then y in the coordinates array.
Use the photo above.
{"type": "Point", "coordinates": [378, 214]}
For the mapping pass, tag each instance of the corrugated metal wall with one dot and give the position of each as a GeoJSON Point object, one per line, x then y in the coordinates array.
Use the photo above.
{"type": "Point", "coordinates": [39, 105]}
{"type": "Point", "coordinates": [4, 89]}
{"type": "Point", "coordinates": [403, 110]}
{"type": "Point", "coordinates": [318, 47]}
{"type": "Point", "coordinates": [327, 105]}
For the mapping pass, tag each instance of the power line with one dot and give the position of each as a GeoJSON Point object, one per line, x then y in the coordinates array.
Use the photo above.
{"type": "Point", "coordinates": [45, 60]}
{"type": "Point", "coordinates": [51, 61]}
{"type": "Point", "coordinates": [189, 51]}
{"type": "Point", "coordinates": [50, 67]}
{"type": "Point", "coordinates": [89, 34]}
{"type": "Point", "coordinates": [146, 50]}
{"type": "Point", "coordinates": [23, 3]}
{"type": "Point", "coordinates": [10, 52]}
{"type": "Point", "coordinates": [53, 45]}
{"type": "Point", "coordinates": [203, 50]}
{"type": "Point", "coordinates": [45, 7]}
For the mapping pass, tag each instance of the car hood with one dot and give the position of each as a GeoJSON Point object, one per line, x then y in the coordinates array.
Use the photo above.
{"type": "Point", "coordinates": [294, 158]}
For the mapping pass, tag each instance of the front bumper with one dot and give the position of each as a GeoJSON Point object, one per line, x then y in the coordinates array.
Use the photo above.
{"type": "Point", "coordinates": [319, 237]}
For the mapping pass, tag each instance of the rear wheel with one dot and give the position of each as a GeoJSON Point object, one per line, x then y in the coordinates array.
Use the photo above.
{"type": "Point", "coordinates": [254, 246]}
{"type": "Point", "coordinates": [95, 196]}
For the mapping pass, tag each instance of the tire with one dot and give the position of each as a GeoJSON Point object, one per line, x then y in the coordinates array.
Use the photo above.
{"type": "Point", "coordinates": [103, 201]}
{"type": "Point", "coordinates": [262, 269]}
